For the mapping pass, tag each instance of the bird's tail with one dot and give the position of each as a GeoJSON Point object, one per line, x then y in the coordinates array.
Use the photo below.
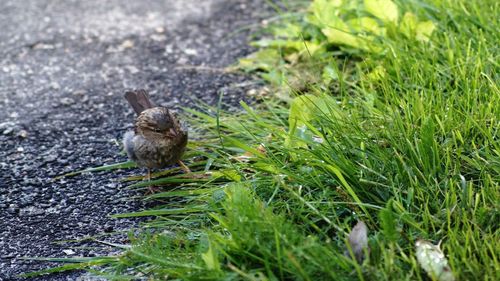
{"type": "Point", "coordinates": [139, 100]}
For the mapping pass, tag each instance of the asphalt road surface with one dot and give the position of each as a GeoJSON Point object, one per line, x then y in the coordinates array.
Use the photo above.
{"type": "Point", "coordinates": [64, 66]}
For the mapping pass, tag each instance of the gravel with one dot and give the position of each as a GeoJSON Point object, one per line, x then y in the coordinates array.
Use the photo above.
{"type": "Point", "coordinates": [64, 66]}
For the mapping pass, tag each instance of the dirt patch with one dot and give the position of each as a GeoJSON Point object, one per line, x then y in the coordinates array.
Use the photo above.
{"type": "Point", "coordinates": [63, 69]}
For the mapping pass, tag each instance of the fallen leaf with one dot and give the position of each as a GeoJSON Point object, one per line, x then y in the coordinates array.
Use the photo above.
{"type": "Point", "coordinates": [432, 260]}
{"type": "Point", "coordinates": [358, 242]}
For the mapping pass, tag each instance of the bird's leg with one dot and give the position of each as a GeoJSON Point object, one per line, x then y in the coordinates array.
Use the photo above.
{"type": "Point", "coordinates": [184, 167]}
{"type": "Point", "coordinates": [151, 189]}
{"type": "Point", "coordinates": [147, 177]}
{"type": "Point", "coordinates": [189, 173]}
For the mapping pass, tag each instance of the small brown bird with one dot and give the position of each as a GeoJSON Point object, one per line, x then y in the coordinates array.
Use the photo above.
{"type": "Point", "coordinates": [158, 139]}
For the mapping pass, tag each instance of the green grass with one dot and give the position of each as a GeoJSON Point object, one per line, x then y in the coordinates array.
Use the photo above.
{"type": "Point", "coordinates": [413, 151]}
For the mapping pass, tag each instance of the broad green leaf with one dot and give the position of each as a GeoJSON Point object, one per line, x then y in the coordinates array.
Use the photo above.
{"type": "Point", "coordinates": [408, 25]}
{"type": "Point", "coordinates": [412, 28]}
{"type": "Point", "coordinates": [324, 11]}
{"type": "Point", "coordinates": [278, 43]}
{"type": "Point", "coordinates": [388, 222]}
{"type": "Point", "coordinates": [303, 110]}
{"type": "Point", "coordinates": [266, 167]}
{"type": "Point", "coordinates": [232, 175]}
{"type": "Point", "coordinates": [424, 30]}
{"type": "Point", "coordinates": [385, 10]}
{"type": "Point", "coordinates": [265, 59]}
{"type": "Point", "coordinates": [342, 36]}
{"type": "Point", "coordinates": [330, 73]}
{"type": "Point", "coordinates": [310, 48]}
{"type": "Point", "coordinates": [366, 24]}
{"type": "Point", "coordinates": [274, 77]}
{"type": "Point", "coordinates": [290, 30]}
{"type": "Point", "coordinates": [210, 258]}
{"type": "Point", "coordinates": [378, 73]}
{"type": "Point", "coordinates": [361, 42]}
{"type": "Point", "coordinates": [307, 107]}
{"type": "Point", "coordinates": [298, 137]}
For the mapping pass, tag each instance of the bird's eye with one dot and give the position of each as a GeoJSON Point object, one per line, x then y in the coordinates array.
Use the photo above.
{"type": "Point", "coordinates": [157, 130]}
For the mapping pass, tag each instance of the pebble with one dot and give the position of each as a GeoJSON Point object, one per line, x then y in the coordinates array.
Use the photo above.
{"type": "Point", "coordinates": [12, 210]}
{"type": "Point", "coordinates": [26, 200]}
{"type": "Point", "coordinates": [8, 131]}
{"type": "Point", "coordinates": [50, 158]}
{"type": "Point", "coordinates": [79, 93]}
{"type": "Point", "coordinates": [23, 134]}
{"type": "Point", "coordinates": [28, 189]}
{"type": "Point", "coordinates": [191, 52]}
{"type": "Point", "coordinates": [69, 252]}
{"type": "Point", "coordinates": [67, 101]}
{"type": "Point", "coordinates": [158, 37]}
{"type": "Point", "coordinates": [55, 86]}
{"type": "Point", "coordinates": [43, 46]}
{"type": "Point", "coordinates": [31, 211]}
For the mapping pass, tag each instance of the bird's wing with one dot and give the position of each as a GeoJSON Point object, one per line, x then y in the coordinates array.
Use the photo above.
{"type": "Point", "coordinates": [139, 100]}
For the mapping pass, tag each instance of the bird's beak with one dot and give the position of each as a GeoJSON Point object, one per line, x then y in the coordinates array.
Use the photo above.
{"type": "Point", "coordinates": [172, 132]}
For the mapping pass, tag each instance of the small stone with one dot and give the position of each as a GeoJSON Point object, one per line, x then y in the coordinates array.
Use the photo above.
{"type": "Point", "coordinates": [43, 46]}
{"type": "Point", "coordinates": [4, 125]}
{"type": "Point", "coordinates": [127, 44]}
{"type": "Point", "coordinates": [50, 158]}
{"type": "Point", "coordinates": [12, 209]}
{"type": "Point", "coordinates": [20, 149]}
{"type": "Point", "coordinates": [67, 101]}
{"type": "Point", "coordinates": [158, 37]}
{"type": "Point", "coordinates": [23, 134]}
{"type": "Point", "coordinates": [8, 131]}
{"type": "Point", "coordinates": [160, 29]}
{"type": "Point", "coordinates": [169, 49]}
{"type": "Point", "coordinates": [132, 69]}
{"type": "Point", "coordinates": [26, 200]}
{"type": "Point", "coordinates": [69, 252]}
{"type": "Point", "coordinates": [55, 86]}
{"type": "Point", "coordinates": [79, 92]}
{"type": "Point", "coordinates": [191, 52]}
{"type": "Point", "coordinates": [27, 189]}
{"type": "Point", "coordinates": [31, 211]}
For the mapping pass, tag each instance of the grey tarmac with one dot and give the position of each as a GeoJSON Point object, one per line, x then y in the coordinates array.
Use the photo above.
{"type": "Point", "coordinates": [64, 67]}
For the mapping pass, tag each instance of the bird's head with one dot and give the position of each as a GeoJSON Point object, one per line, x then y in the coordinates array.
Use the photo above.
{"type": "Point", "coordinates": [157, 123]}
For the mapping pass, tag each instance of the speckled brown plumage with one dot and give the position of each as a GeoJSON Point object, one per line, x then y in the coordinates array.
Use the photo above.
{"type": "Point", "coordinates": [158, 139]}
